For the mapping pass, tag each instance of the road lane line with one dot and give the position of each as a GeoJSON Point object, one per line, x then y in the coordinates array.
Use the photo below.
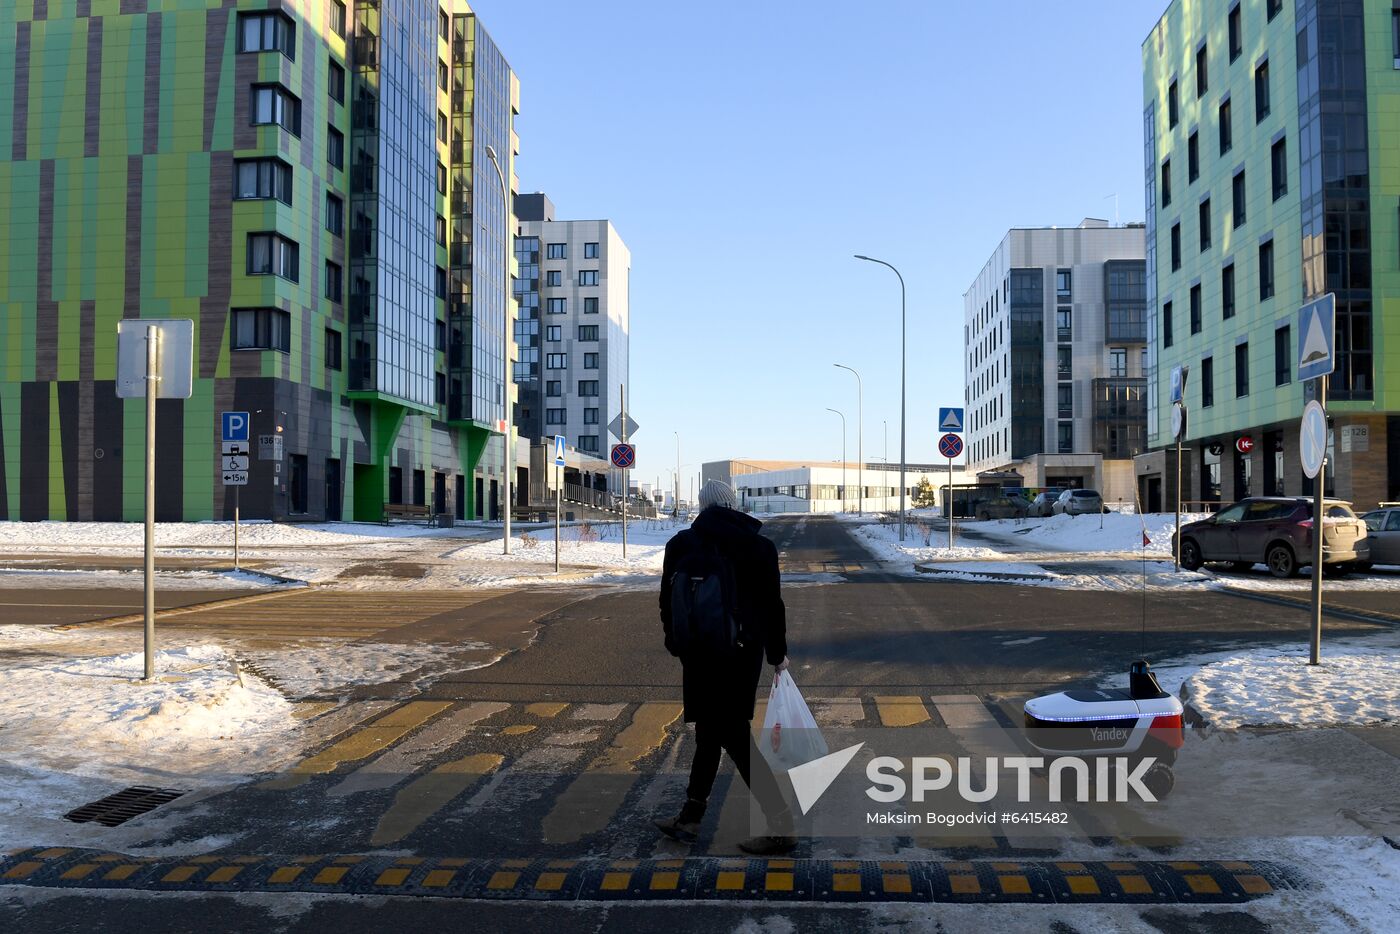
{"type": "Point", "coordinates": [361, 744]}
{"type": "Point", "coordinates": [901, 711]}
{"type": "Point", "coordinates": [430, 793]}
{"type": "Point", "coordinates": [412, 754]}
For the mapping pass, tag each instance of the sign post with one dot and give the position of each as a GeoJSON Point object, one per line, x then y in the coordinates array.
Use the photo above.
{"type": "Point", "coordinates": [1178, 400]}
{"type": "Point", "coordinates": [950, 419]}
{"type": "Point", "coordinates": [1316, 360]}
{"type": "Point", "coordinates": [167, 347]}
{"type": "Point", "coordinates": [950, 446]}
{"type": "Point", "coordinates": [234, 440]}
{"type": "Point", "coordinates": [559, 464]}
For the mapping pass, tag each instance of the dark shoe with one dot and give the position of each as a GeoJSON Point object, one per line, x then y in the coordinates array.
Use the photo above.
{"type": "Point", "coordinates": [769, 845]}
{"type": "Point", "coordinates": [685, 826]}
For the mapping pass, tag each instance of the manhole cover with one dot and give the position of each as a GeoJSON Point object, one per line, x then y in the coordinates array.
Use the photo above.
{"type": "Point", "coordinates": [123, 806]}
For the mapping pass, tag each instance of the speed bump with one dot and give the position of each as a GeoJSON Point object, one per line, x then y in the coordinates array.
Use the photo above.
{"type": "Point", "coordinates": [698, 878]}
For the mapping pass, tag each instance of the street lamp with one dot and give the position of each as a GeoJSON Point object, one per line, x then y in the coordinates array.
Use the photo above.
{"type": "Point", "coordinates": [860, 440]}
{"type": "Point", "coordinates": [507, 467]}
{"type": "Point", "coordinates": [903, 360]}
{"type": "Point", "coordinates": [843, 458]}
{"type": "Point", "coordinates": [676, 480]}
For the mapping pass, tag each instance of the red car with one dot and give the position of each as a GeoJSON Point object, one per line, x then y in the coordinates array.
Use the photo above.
{"type": "Point", "coordinates": [1277, 531]}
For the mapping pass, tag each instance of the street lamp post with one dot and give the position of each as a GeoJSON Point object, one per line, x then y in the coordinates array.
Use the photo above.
{"type": "Point", "coordinates": [903, 360]}
{"type": "Point", "coordinates": [676, 480]}
{"type": "Point", "coordinates": [507, 467]}
{"type": "Point", "coordinates": [843, 457]}
{"type": "Point", "coordinates": [860, 440]}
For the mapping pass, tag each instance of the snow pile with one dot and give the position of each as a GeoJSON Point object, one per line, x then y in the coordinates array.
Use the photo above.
{"type": "Point", "coordinates": [53, 578]}
{"type": "Point", "coordinates": [974, 568]}
{"type": "Point", "coordinates": [323, 668]}
{"type": "Point", "coordinates": [19, 537]}
{"type": "Point", "coordinates": [592, 544]}
{"type": "Point", "coordinates": [921, 542]}
{"type": "Point", "coordinates": [1119, 533]}
{"type": "Point", "coordinates": [1270, 687]}
{"type": "Point", "coordinates": [91, 716]}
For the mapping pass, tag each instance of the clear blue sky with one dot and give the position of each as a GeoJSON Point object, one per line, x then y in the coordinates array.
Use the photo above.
{"type": "Point", "coordinates": [745, 150]}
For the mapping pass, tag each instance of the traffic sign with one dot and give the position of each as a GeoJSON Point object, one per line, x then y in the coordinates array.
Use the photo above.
{"type": "Point", "coordinates": [950, 446]}
{"type": "Point", "coordinates": [235, 449]}
{"type": "Point", "coordinates": [623, 426]}
{"type": "Point", "coordinates": [174, 358]}
{"type": "Point", "coordinates": [1244, 444]}
{"type": "Point", "coordinates": [1317, 332]}
{"type": "Point", "coordinates": [1178, 390]}
{"type": "Point", "coordinates": [560, 448]}
{"type": "Point", "coordinates": [234, 426]}
{"type": "Point", "coordinates": [624, 455]}
{"type": "Point", "coordinates": [235, 477]}
{"type": "Point", "coordinates": [1312, 439]}
{"type": "Point", "coordinates": [235, 462]}
{"type": "Point", "coordinates": [950, 419]}
{"type": "Point", "coordinates": [1178, 422]}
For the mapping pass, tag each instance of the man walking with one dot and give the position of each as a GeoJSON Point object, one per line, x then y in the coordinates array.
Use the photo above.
{"type": "Point", "coordinates": [719, 686]}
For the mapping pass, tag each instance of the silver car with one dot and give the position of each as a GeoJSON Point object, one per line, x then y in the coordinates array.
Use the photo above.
{"type": "Point", "coordinates": [1043, 505]}
{"type": "Point", "coordinates": [1383, 532]}
{"type": "Point", "coordinates": [1079, 503]}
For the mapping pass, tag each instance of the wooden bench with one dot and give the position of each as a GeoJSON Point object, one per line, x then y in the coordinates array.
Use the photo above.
{"type": "Point", "coordinates": [407, 511]}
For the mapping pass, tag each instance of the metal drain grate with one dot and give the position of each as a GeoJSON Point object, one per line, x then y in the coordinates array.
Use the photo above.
{"type": "Point", "coordinates": [122, 806]}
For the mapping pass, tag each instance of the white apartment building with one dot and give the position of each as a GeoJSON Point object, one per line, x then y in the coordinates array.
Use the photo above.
{"type": "Point", "coordinates": [572, 325]}
{"type": "Point", "coordinates": [1055, 338]}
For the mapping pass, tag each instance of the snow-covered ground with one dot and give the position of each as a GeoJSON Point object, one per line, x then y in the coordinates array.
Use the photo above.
{"type": "Point", "coordinates": [14, 578]}
{"type": "Point", "coordinates": [1112, 533]}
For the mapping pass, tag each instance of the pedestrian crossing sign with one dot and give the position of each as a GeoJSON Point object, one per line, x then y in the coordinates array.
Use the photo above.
{"type": "Point", "coordinates": [950, 419]}
{"type": "Point", "coordinates": [559, 450]}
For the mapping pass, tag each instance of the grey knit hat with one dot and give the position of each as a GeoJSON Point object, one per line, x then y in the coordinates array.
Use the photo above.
{"type": "Point", "coordinates": [718, 493]}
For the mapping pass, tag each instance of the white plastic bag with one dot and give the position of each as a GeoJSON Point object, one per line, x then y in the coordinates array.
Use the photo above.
{"type": "Point", "coordinates": [790, 734]}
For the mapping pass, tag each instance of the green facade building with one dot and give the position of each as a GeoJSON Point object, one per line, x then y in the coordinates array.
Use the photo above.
{"type": "Point", "coordinates": [1272, 177]}
{"type": "Point", "coordinates": [307, 181]}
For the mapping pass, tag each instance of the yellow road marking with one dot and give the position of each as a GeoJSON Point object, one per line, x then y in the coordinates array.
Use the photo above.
{"type": "Point", "coordinates": [904, 710]}
{"type": "Point", "coordinates": [310, 709]}
{"type": "Point", "coordinates": [1071, 867]}
{"type": "Point", "coordinates": [545, 709]}
{"type": "Point", "coordinates": [1254, 885]}
{"type": "Point", "coordinates": [1135, 885]}
{"type": "Point", "coordinates": [778, 882]}
{"type": "Point", "coordinates": [1082, 885]}
{"type": "Point", "coordinates": [965, 885]}
{"type": "Point", "coordinates": [1203, 885]}
{"type": "Point", "coordinates": [615, 881]}
{"type": "Point", "coordinates": [363, 743]}
{"type": "Point", "coordinates": [439, 878]}
{"type": "Point", "coordinates": [392, 877]}
{"type": "Point", "coordinates": [518, 729]}
{"type": "Point", "coordinates": [729, 881]}
{"type": "Point", "coordinates": [285, 875]}
{"type": "Point", "coordinates": [1184, 865]}
{"type": "Point", "coordinates": [180, 874]}
{"type": "Point", "coordinates": [845, 882]}
{"type": "Point", "coordinates": [897, 882]}
{"type": "Point", "coordinates": [23, 870]}
{"type": "Point", "coordinates": [551, 881]}
{"type": "Point", "coordinates": [121, 873]}
{"type": "Point", "coordinates": [53, 853]}
{"type": "Point", "coordinates": [79, 872]}
{"type": "Point", "coordinates": [503, 880]}
{"type": "Point", "coordinates": [224, 874]}
{"type": "Point", "coordinates": [426, 795]}
{"type": "Point", "coordinates": [1015, 885]}
{"type": "Point", "coordinates": [331, 875]}
{"type": "Point", "coordinates": [665, 881]}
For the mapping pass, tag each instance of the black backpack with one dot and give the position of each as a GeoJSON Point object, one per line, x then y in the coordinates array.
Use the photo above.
{"type": "Point", "coordinates": [704, 606]}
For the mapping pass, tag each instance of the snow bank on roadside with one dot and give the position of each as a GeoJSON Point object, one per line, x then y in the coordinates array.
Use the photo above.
{"type": "Point", "coordinates": [56, 578]}
{"type": "Point", "coordinates": [921, 543]}
{"type": "Point", "coordinates": [20, 537]}
{"type": "Point", "coordinates": [1268, 687]}
{"type": "Point", "coordinates": [1119, 533]}
{"type": "Point", "coordinates": [595, 544]}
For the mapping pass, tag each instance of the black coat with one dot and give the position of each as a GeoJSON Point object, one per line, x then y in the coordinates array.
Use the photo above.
{"type": "Point", "coordinates": [724, 689]}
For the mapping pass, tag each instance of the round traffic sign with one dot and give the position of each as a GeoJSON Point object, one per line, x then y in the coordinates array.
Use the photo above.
{"type": "Point", "coordinates": [1178, 421]}
{"type": "Point", "coordinates": [1244, 444]}
{"type": "Point", "coordinates": [950, 445]}
{"type": "Point", "coordinates": [624, 455]}
{"type": "Point", "coordinates": [1312, 439]}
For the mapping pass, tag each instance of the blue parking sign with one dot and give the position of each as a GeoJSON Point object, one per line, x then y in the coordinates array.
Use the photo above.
{"type": "Point", "coordinates": [234, 425]}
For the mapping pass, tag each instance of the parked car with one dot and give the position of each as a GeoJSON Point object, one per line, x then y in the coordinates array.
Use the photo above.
{"type": "Point", "coordinates": [1044, 505]}
{"type": "Point", "coordinates": [1275, 530]}
{"type": "Point", "coordinates": [1001, 507]}
{"type": "Point", "coordinates": [1383, 536]}
{"type": "Point", "coordinates": [1079, 503]}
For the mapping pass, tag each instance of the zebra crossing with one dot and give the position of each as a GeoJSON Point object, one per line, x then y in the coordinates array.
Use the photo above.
{"type": "Point", "coordinates": [572, 778]}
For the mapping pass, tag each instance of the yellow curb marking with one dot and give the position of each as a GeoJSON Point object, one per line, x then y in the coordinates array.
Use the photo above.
{"type": "Point", "coordinates": [897, 882]}
{"type": "Point", "coordinates": [1202, 885]}
{"type": "Point", "coordinates": [224, 874]}
{"type": "Point", "coordinates": [965, 885]}
{"type": "Point", "coordinates": [845, 882]}
{"type": "Point", "coordinates": [439, 878]}
{"type": "Point", "coordinates": [729, 881]}
{"type": "Point", "coordinates": [901, 710]}
{"type": "Point", "coordinates": [180, 874]}
{"type": "Point", "coordinates": [285, 875]}
{"type": "Point", "coordinates": [615, 881]}
{"type": "Point", "coordinates": [503, 880]}
{"type": "Point", "coordinates": [665, 881]}
{"type": "Point", "coordinates": [79, 872]}
{"type": "Point", "coordinates": [550, 881]}
{"type": "Point", "coordinates": [1015, 885]}
{"type": "Point", "coordinates": [53, 853]}
{"type": "Point", "coordinates": [331, 875]}
{"type": "Point", "coordinates": [392, 877]}
{"type": "Point", "coordinates": [1135, 885]}
{"type": "Point", "coordinates": [22, 871]}
{"type": "Point", "coordinates": [121, 873]}
{"type": "Point", "coordinates": [778, 882]}
{"type": "Point", "coordinates": [1082, 885]}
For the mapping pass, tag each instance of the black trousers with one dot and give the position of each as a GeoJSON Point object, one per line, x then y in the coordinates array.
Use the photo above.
{"type": "Point", "coordinates": [734, 737]}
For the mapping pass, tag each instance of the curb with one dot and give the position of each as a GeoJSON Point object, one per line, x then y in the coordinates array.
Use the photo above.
{"type": "Point", "coordinates": [1011, 576]}
{"type": "Point", "coordinates": [690, 879]}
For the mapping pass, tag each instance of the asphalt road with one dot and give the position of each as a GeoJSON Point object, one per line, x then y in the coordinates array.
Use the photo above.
{"type": "Point", "coordinates": [569, 745]}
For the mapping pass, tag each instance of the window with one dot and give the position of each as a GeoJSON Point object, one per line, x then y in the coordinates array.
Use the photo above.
{"type": "Point", "coordinates": [1203, 213]}
{"type": "Point", "coordinates": [588, 332]}
{"type": "Point", "coordinates": [590, 251]}
{"type": "Point", "coordinates": [442, 74]}
{"type": "Point", "coordinates": [1236, 38]}
{"type": "Point", "coordinates": [554, 416]}
{"type": "Point", "coordinates": [1063, 285]}
{"type": "Point", "coordinates": [1202, 80]}
{"type": "Point", "coordinates": [440, 281]}
{"type": "Point", "coordinates": [267, 32]}
{"type": "Point", "coordinates": [1279, 161]}
{"type": "Point", "coordinates": [338, 18]}
{"type": "Point", "coordinates": [554, 333]}
{"type": "Point", "coordinates": [588, 443]}
{"type": "Point", "coordinates": [336, 80]}
{"type": "Point", "coordinates": [588, 387]}
{"type": "Point", "coordinates": [1207, 382]}
{"type": "Point", "coordinates": [262, 178]}
{"type": "Point", "coordinates": [442, 127]}
{"type": "Point", "coordinates": [271, 254]}
{"type": "Point", "coordinates": [335, 147]}
{"type": "Point", "coordinates": [332, 349]}
{"type": "Point", "coordinates": [1064, 432]}
{"type": "Point", "coordinates": [335, 214]}
{"type": "Point", "coordinates": [261, 329]}
{"type": "Point", "coordinates": [1227, 129]}
{"type": "Point", "coordinates": [1274, 7]}
{"type": "Point", "coordinates": [588, 277]}
{"type": "Point", "coordinates": [1227, 291]}
{"type": "Point", "coordinates": [439, 334]}
{"type": "Point", "coordinates": [1118, 361]}
{"type": "Point", "coordinates": [1261, 92]}
{"type": "Point", "coordinates": [1241, 370]}
{"type": "Point", "coordinates": [273, 104]}
{"type": "Point", "coordinates": [440, 388]}
{"type": "Point", "coordinates": [553, 388]}
{"type": "Point", "coordinates": [1395, 46]}
{"type": "Point", "coordinates": [441, 224]}
{"type": "Point", "coordinates": [1166, 324]}
{"type": "Point", "coordinates": [441, 179]}
{"type": "Point", "coordinates": [1237, 199]}
{"type": "Point", "coordinates": [1064, 397]}
{"type": "Point", "coordinates": [1166, 182]}
{"type": "Point", "coordinates": [444, 28]}
{"type": "Point", "coordinates": [1283, 359]}
{"type": "Point", "coordinates": [556, 251]}
{"type": "Point", "coordinates": [1266, 271]}
{"type": "Point", "coordinates": [590, 361]}
{"type": "Point", "coordinates": [556, 361]}
{"type": "Point", "coordinates": [590, 416]}
{"type": "Point", "coordinates": [1195, 309]}
{"type": "Point", "coordinates": [1064, 325]}
{"type": "Point", "coordinates": [1172, 109]}
{"type": "Point", "coordinates": [1176, 247]}
{"type": "Point", "coordinates": [333, 281]}
{"type": "Point", "coordinates": [553, 278]}
{"type": "Point", "coordinates": [1064, 362]}
{"type": "Point", "coordinates": [590, 305]}
{"type": "Point", "coordinates": [558, 306]}
{"type": "Point", "coordinates": [1193, 157]}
